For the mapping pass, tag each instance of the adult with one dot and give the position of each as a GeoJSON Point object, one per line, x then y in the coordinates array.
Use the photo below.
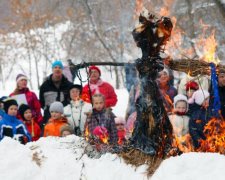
{"type": "Point", "coordinates": [97, 86]}
{"type": "Point", "coordinates": [168, 92]}
{"type": "Point", "coordinates": [54, 88]}
{"type": "Point", "coordinates": [24, 96]}
{"type": "Point", "coordinates": [221, 88]}
{"type": "Point", "coordinates": [76, 111]}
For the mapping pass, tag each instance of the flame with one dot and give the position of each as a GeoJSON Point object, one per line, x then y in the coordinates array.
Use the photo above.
{"type": "Point", "coordinates": [183, 143]}
{"type": "Point", "coordinates": [168, 103]}
{"type": "Point", "coordinates": [104, 138]}
{"type": "Point", "coordinates": [207, 45]}
{"type": "Point", "coordinates": [214, 131]}
{"type": "Point", "coordinates": [138, 7]}
{"type": "Point", "coordinates": [86, 134]}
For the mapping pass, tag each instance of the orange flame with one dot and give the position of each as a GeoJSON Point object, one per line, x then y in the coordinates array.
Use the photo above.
{"type": "Point", "coordinates": [207, 45]}
{"type": "Point", "coordinates": [86, 134]}
{"type": "Point", "coordinates": [183, 143]}
{"type": "Point", "coordinates": [138, 8]}
{"type": "Point", "coordinates": [215, 136]}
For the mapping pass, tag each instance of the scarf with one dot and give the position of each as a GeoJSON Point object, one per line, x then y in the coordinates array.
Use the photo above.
{"type": "Point", "coordinates": [95, 87]}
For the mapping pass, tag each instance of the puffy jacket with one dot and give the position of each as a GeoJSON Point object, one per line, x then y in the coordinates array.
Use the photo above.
{"type": "Point", "coordinates": [33, 103]}
{"type": "Point", "coordinates": [34, 129]}
{"type": "Point", "coordinates": [105, 89]}
{"type": "Point", "coordinates": [49, 93]}
{"type": "Point", "coordinates": [11, 126]}
{"type": "Point", "coordinates": [180, 124]}
{"type": "Point", "coordinates": [75, 112]}
{"type": "Point", "coordinates": [53, 127]}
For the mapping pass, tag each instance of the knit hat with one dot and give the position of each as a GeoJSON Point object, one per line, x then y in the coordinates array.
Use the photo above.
{"type": "Point", "coordinates": [180, 97]}
{"type": "Point", "coordinates": [56, 107]}
{"type": "Point", "coordinates": [95, 68]}
{"type": "Point", "coordinates": [20, 77]}
{"type": "Point", "coordinates": [120, 120]}
{"type": "Point", "coordinates": [192, 85]}
{"type": "Point", "coordinates": [8, 103]}
{"type": "Point", "coordinates": [22, 109]}
{"type": "Point", "coordinates": [198, 97]}
{"type": "Point", "coordinates": [77, 86]}
{"type": "Point", "coordinates": [166, 71]}
{"type": "Point", "coordinates": [57, 63]}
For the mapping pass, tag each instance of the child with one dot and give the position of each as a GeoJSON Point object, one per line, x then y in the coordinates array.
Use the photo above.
{"type": "Point", "coordinates": [10, 126]}
{"type": "Point", "coordinates": [27, 117]}
{"type": "Point", "coordinates": [56, 121]}
{"type": "Point", "coordinates": [191, 87]}
{"type": "Point", "coordinates": [201, 113]}
{"type": "Point", "coordinates": [66, 130]}
{"type": "Point", "coordinates": [121, 131]}
{"type": "Point", "coordinates": [76, 110]}
{"type": "Point", "coordinates": [180, 123]}
{"type": "Point", "coordinates": [102, 118]}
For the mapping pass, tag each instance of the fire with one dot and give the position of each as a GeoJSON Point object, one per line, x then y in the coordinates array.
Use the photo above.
{"type": "Point", "coordinates": [86, 134]}
{"type": "Point", "coordinates": [215, 136]}
{"type": "Point", "coordinates": [207, 45]}
{"type": "Point", "coordinates": [104, 138]}
{"type": "Point", "coordinates": [139, 6]}
{"type": "Point", "coordinates": [183, 143]}
{"type": "Point", "coordinates": [168, 103]}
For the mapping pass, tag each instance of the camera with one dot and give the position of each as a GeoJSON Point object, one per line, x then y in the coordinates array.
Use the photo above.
{"type": "Point", "coordinates": [77, 131]}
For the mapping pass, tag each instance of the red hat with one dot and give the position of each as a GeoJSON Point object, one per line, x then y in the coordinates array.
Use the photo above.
{"type": "Point", "coordinates": [192, 85]}
{"type": "Point", "coordinates": [95, 68]}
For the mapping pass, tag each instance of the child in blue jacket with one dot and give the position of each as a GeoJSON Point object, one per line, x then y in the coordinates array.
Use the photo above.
{"type": "Point", "coordinates": [10, 126]}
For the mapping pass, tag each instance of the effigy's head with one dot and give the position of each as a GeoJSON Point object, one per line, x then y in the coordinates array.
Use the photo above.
{"type": "Point", "coordinates": [152, 33]}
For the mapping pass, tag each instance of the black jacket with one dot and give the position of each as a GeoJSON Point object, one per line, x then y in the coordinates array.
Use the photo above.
{"type": "Point", "coordinates": [49, 93]}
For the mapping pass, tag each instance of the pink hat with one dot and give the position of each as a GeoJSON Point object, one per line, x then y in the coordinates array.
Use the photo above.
{"type": "Point", "coordinates": [198, 97]}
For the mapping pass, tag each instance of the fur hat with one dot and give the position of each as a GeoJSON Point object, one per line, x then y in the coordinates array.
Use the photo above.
{"type": "Point", "coordinates": [21, 77]}
{"type": "Point", "coordinates": [77, 86]}
{"type": "Point", "coordinates": [22, 109]}
{"type": "Point", "coordinates": [66, 128]}
{"type": "Point", "coordinates": [56, 107]}
{"type": "Point", "coordinates": [192, 85]}
{"type": "Point", "coordinates": [180, 97]}
{"type": "Point", "coordinates": [120, 120]}
{"type": "Point", "coordinates": [57, 63]}
{"type": "Point", "coordinates": [9, 102]}
{"type": "Point", "coordinates": [198, 97]}
{"type": "Point", "coordinates": [95, 68]}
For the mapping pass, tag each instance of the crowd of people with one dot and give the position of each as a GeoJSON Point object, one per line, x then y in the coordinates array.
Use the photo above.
{"type": "Point", "coordinates": [87, 111]}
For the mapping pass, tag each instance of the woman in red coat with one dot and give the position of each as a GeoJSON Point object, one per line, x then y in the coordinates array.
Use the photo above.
{"type": "Point", "coordinates": [97, 86]}
{"type": "Point", "coordinates": [28, 97]}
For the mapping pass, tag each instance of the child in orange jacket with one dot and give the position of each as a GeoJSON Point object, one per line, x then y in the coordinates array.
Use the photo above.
{"type": "Point", "coordinates": [56, 121]}
{"type": "Point", "coordinates": [32, 127]}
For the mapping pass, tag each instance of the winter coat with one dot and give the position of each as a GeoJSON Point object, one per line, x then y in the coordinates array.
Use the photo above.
{"type": "Point", "coordinates": [49, 93]}
{"type": "Point", "coordinates": [33, 103]}
{"type": "Point", "coordinates": [34, 129]}
{"type": "Point", "coordinates": [180, 124]}
{"type": "Point", "coordinates": [104, 118]}
{"type": "Point", "coordinates": [103, 88]}
{"type": "Point", "coordinates": [11, 126]}
{"type": "Point", "coordinates": [75, 113]}
{"type": "Point", "coordinates": [53, 127]}
{"type": "Point", "coordinates": [222, 100]}
{"type": "Point", "coordinates": [199, 118]}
